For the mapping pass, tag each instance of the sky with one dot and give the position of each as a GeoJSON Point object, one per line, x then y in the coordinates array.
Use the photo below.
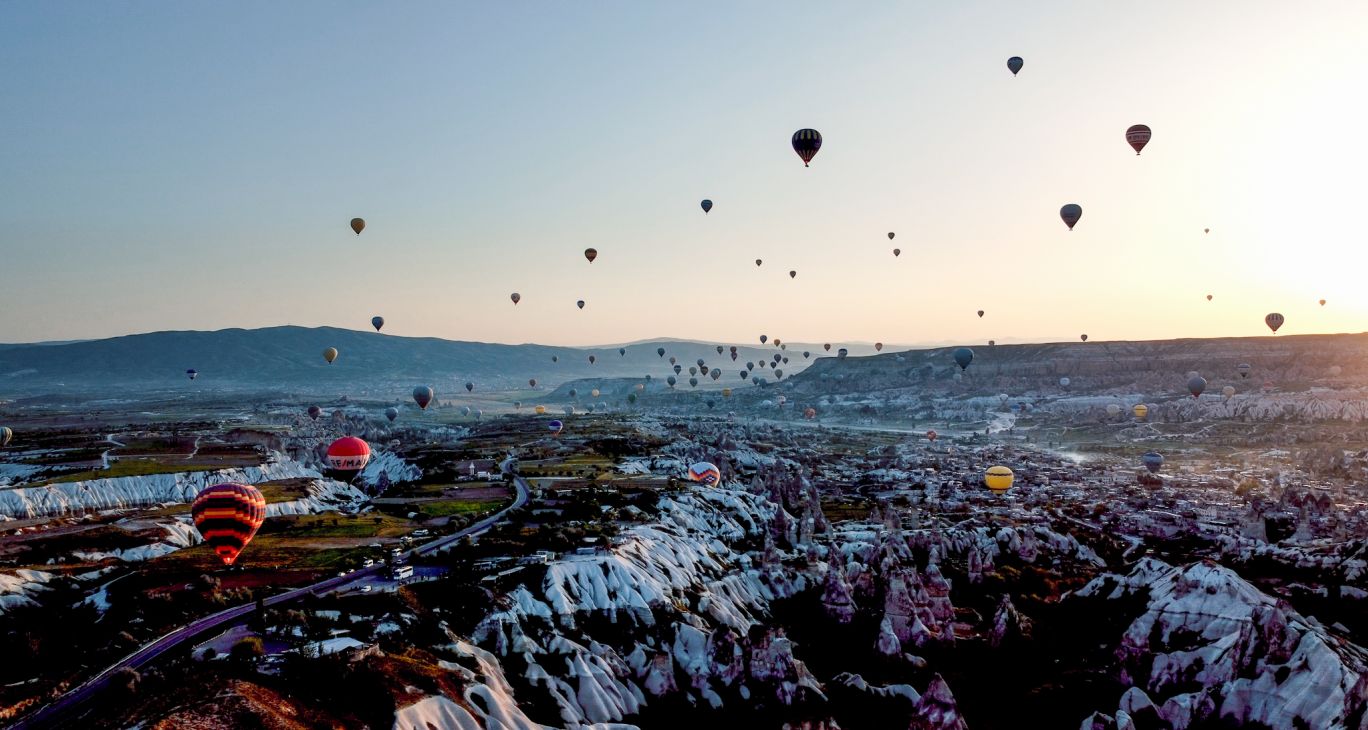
{"type": "Point", "coordinates": [194, 165]}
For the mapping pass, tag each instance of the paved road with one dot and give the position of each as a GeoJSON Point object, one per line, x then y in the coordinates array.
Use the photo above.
{"type": "Point", "coordinates": [66, 710]}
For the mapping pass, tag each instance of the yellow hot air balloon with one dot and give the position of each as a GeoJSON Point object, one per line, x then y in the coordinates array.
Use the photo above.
{"type": "Point", "coordinates": [726, 392]}
{"type": "Point", "coordinates": [540, 410]}
{"type": "Point", "coordinates": [998, 479]}
{"type": "Point", "coordinates": [330, 354]}
{"type": "Point", "coordinates": [1140, 410]}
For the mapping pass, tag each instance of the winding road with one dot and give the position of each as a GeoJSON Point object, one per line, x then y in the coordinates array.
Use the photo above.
{"type": "Point", "coordinates": [67, 710]}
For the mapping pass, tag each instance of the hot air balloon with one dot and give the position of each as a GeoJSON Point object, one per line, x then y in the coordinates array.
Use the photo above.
{"type": "Point", "coordinates": [192, 373]}
{"type": "Point", "coordinates": [1208, 297]}
{"type": "Point", "coordinates": [897, 252]}
{"type": "Point", "coordinates": [1137, 136]}
{"type": "Point", "coordinates": [591, 254]}
{"type": "Point", "coordinates": [1064, 382]}
{"type": "Point", "coordinates": [348, 456]}
{"type": "Point", "coordinates": [1014, 64]}
{"type": "Point", "coordinates": [631, 397]}
{"type": "Point", "coordinates": [470, 387]}
{"type": "Point", "coordinates": [998, 479]}
{"type": "Point", "coordinates": [315, 412]}
{"type": "Point", "coordinates": [1113, 409]}
{"type": "Point", "coordinates": [806, 354]}
{"type": "Point", "coordinates": [391, 413]}
{"type": "Point", "coordinates": [793, 274]}
{"type": "Point", "coordinates": [516, 297]}
{"type": "Point", "coordinates": [227, 516]}
{"type": "Point", "coordinates": [592, 359]}
{"type": "Point", "coordinates": [1196, 385]}
{"type": "Point", "coordinates": [707, 205]}
{"type": "Point", "coordinates": [726, 392]}
{"type": "Point", "coordinates": [677, 369]}
{"type": "Point", "coordinates": [778, 342]}
{"type": "Point", "coordinates": [758, 262]}
{"type": "Point", "coordinates": [806, 142]}
{"type": "Point", "coordinates": [358, 225]}
{"type": "Point", "coordinates": [377, 322]}
{"type": "Point", "coordinates": [890, 235]}
{"type": "Point", "coordinates": [670, 381]}
{"type": "Point", "coordinates": [693, 370]}
{"type": "Point", "coordinates": [810, 413]}
{"type": "Point", "coordinates": [422, 395]}
{"type": "Point", "coordinates": [1227, 392]}
{"type": "Point", "coordinates": [1070, 214]}
{"type": "Point", "coordinates": [517, 405]}
{"type": "Point", "coordinates": [992, 343]}
{"type": "Point", "coordinates": [693, 382]}
{"type": "Point", "coordinates": [640, 387]}
{"type": "Point", "coordinates": [878, 347]}
{"type": "Point", "coordinates": [827, 347]}
{"type": "Point", "coordinates": [594, 393]}
{"type": "Point", "coordinates": [1206, 230]}
{"type": "Point", "coordinates": [841, 353]}
{"type": "Point", "coordinates": [568, 410]}
{"type": "Point", "coordinates": [699, 362]}
{"type": "Point", "coordinates": [1274, 321]}
{"type": "Point", "coordinates": [1153, 460]}
{"type": "Point", "coordinates": [720, 349]}
{"type": "Point", "coordinates": [555, 358]}
{"type": "Point", "coordinates": [705, 474]}
{"type": "Point", "coordinates": [540, 410]}
{"type": "Point", "coordinates": [745, 374]}
{"type": "Point", "coordinates": [555, 427]}
{"type": "Point", "coordinates": [622, 352]}
{"type": "Point", "coordinates": [1243, 368]}
{"type": "Point", "coordinates": [6, 435]}
{"type": "Point", "coordinates": [532, 382]}
{"type": "Point", "coordinates": [1140, 410]}
{"type": "Point", "coordinates": [660, 351]}
{"type": "Point", "coordinates": [932, 435]}
{"type": "Point", "coordinates": [764, 339]}
{"type": "Point", "coordinates": [963, 356]}
{"type": "Point", "coordinates": [330, 354]}
{"type": "Point", "coordinates": [1322, 302]}
{"type": "Point", "coordinates": [778, 374]}
{"type": "Point", "coordinates": [580, 304]}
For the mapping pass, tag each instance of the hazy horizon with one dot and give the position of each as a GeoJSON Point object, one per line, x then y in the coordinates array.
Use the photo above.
{"type": "Point", "coordinates": [195, 167]}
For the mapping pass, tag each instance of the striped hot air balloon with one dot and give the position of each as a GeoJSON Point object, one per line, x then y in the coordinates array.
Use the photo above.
{"type": "Point", "coordinates": [705, 473]}
{"type": "Point", "coordinates": [806, 142]}
{"type": "Point", "coordinates": [227, 516]}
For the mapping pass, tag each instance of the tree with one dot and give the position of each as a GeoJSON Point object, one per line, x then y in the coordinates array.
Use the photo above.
{"type": "Point", "coordinates": [247, 649]}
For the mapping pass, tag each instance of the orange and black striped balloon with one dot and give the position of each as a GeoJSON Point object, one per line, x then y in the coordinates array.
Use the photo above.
{"type": "Point", "coordinates": [806, 142]}
{"type": "Point", "coordinates": [227, 516]}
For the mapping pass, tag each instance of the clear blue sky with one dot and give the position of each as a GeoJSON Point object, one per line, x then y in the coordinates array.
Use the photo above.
{"type": "Point", "coordinates": [194, 166]}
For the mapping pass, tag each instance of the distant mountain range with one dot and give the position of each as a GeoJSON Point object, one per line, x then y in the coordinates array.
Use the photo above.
{"type": "Point", "coordinates": [291, 358]}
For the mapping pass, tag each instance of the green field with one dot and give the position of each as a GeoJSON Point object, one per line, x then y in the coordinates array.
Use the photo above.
{"type": "Point", "coordinates": [450, 507]}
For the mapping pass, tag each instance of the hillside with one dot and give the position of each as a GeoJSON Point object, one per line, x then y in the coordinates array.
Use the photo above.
{"type": "Point", "coordinates": [292, 357]}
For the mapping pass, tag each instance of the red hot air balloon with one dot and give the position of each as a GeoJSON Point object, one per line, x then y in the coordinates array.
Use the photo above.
{"type": "Point", "coordinates": [348, 456]}
{"type": "Point", "coordinates": [1137, 137]}
{"type": "Point", "coordinates": [227, 516]}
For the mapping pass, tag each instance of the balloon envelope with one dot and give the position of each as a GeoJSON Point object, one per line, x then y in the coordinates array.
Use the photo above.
{"type": "Point", "coordinates": [227, 517]}
{"type": "Point", "coordinates": [422, 395]}
{"type": "Point", "coordinates": [998, 479]}
{"type": "Point", "coordinates": [1274, 321]}
{"type": "Point", "coordinates": [330, 354]}
{"type": "Point", "coordinates": [348, 455]}
{"type": "Point", "coordinates": [555, 427]}
{"type": "Point", "coordinates": [1153, 460]}
{"type": "Point", "coordinates": [391, 413]}
{"type": "Point", "coordinates": [707, 205]}
{"type": "Point", "coordinates": [1070, 214]}
{"type": "Point", "coordinates": [705, 473]}
{"type": "Point", "coordinates": [315, 412]}
{"type": "Point", "coordinates": [1137, 136]}
{"type": "Point", "coordinates": [358, 225]}
{"type": "Point", "coordinates": [806, 142]}
{"type": "Point", "coordinates": [963, 356]}
{"type": "Point", "coordinates": [516, 297]}
{"type": "Point", "coordinates": [1014, 65]}
{"type": "Point", "coordinates": [377, 322]}
{"type": "Point", "coordinates": [591, 254]}
{"type": "Point", "coordinates": [1196, 385]}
